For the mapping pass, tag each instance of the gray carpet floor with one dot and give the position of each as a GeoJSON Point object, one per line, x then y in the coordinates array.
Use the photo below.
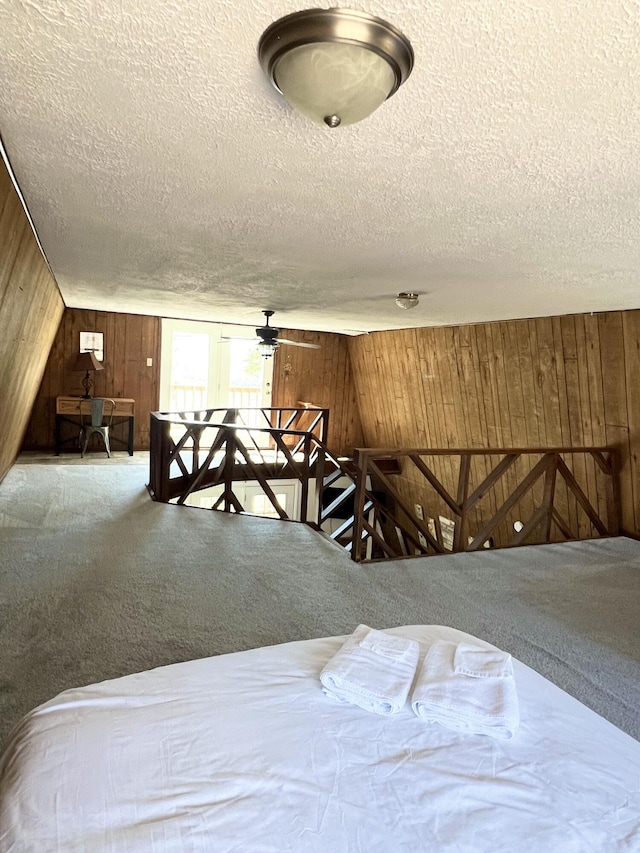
{"type": "Point", "coordinates": [98, 581]}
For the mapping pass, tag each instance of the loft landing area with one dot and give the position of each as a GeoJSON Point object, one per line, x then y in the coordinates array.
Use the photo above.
{"type": "Point", "coordinates": [383, 503]}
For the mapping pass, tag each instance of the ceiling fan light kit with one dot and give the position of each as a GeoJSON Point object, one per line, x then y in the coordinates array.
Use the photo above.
{"type": "Point", "coordinates": [269, 340]}
{"type": "Point", "coordinates": [335, 66]}
{"type": "Point", "coordinates": [407, 300]}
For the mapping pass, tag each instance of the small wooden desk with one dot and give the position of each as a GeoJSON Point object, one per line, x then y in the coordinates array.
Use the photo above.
{"type": "Point", "coordinates": [70, 408]}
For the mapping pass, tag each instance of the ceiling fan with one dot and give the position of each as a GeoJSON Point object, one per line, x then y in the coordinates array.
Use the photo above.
{"type": "Point", "coordinates": [270, 340]}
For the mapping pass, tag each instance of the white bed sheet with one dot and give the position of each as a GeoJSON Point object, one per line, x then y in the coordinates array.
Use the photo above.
{"type": "Point", "coordinates": [244, 752]}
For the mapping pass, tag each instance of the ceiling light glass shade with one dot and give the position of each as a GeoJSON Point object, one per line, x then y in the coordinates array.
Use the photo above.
{"type": "Point", "coordinates": [407, 300]}
{"type": "Point", "coordinates": [335, 66]}
{"type": "Point", "coordinates": [327, 82]}
{"type": "Point", "coordinates": [267, 350]}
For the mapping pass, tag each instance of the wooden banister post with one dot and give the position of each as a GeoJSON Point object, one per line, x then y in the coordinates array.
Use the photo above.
{"type": "Point", "coordinates": [160, 451]}
{"type": "Point", "coordinates": [305, 473]}
{"type": "Point", "coordinates": [319, 489]}
{"type": "Point", "coordinates": [549, 494]}
{"type": "Point", "coordinates": [462, 526]}
{"type": "Point", "coordinates": [229, 461]}
{"type": "Point", "coordinates": [360, 460]}
{"type": "Point", "coordinates": [612, 491]}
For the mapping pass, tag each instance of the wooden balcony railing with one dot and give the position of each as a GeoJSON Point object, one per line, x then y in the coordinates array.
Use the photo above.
{"type": "Point", "coordinates": [490, 498]}
{"type": "Point", "coordinates": [191, 451]}
{"type": "Point", "coordinates": [387, 503]}
{"type": "Point", "coordinates": [194, 397]}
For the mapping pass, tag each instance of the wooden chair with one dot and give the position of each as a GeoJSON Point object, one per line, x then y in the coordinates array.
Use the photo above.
{"type": "Point", "coordinates": [99, 421]}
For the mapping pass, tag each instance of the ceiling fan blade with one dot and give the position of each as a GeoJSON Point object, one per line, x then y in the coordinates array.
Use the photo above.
{"type": "Point", "coordinates": [298, 344]}
{"type": "Point", "coordinates": [234, 338]}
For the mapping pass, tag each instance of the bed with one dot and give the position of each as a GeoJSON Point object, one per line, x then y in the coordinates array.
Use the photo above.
{"type": "Point", "coordinates": [244, 752]}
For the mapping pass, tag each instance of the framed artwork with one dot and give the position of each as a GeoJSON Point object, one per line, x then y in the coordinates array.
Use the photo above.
{"type": "Point", "coordinates": [92, 342]}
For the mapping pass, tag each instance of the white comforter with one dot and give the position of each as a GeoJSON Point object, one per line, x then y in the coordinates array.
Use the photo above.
{"type": "Point", "coordinates": [244, 752]}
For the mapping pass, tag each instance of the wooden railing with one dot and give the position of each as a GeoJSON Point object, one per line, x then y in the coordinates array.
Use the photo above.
{"type": "Point", "coordinates": [188, 397]}
{"type": "Point", "coordinates": [401, 503]}
{"type": "Point", "coordinates": [490, 498]}
{"type": "Point", "coordinates": [192, 451]}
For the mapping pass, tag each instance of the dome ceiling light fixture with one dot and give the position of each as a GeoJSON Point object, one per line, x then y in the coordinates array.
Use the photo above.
{"type": "Point", "coordinates": [407, 300]}
{"type": "Point", "coordinates": [335, 66]}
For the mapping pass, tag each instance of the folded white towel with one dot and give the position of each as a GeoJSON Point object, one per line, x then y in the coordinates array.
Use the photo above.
{"type": "Point", "coordinates": [372, 670]}
{"type": "Point", "coordinates": [467, 688]}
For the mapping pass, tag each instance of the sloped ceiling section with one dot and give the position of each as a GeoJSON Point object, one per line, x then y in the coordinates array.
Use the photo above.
{"type": "Point", "coordinates": [166, 176]}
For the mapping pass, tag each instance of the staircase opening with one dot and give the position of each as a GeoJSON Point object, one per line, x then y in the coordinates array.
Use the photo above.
{"type": "Point", "coordinates": [382, 504]}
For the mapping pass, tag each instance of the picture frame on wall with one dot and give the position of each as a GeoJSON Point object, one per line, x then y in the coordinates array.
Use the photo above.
{"type": "Point", "coordinates": [92, 342]}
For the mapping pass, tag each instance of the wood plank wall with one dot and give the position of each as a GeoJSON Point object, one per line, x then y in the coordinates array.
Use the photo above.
{"type": "Point", "coordinates": [30, 311]}
{"type": "Point", "coordinates": [570, 380]}
{"type": "Point", "coordinates": [322, 377]}
{"type": "Point", "coordinates": [129, 340]}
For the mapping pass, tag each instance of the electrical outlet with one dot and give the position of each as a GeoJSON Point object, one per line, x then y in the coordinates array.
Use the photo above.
{"type": "Point", "coordinates": [419, 512]}
{"type": "Point", "coordinates": [149, 362]}
{"type": "Point", "coordinates": [422, 540]}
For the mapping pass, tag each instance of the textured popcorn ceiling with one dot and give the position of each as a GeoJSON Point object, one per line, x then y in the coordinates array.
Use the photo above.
{"type": "Point", "coordinates": [166, 176]}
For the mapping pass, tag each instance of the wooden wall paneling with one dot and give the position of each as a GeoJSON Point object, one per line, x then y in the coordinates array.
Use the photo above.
{"type": "Point", "coordinates": [444, 414]}
{"type": "Point", "coordinates": [572, 379]}
{"type": "Point", "coordinates": [323, 377]}
{"type": "Point", "coordinates": [563, 400]}
{"type": "Point", "coordinates": [536, 427]}
{"type": "Point", "coordinates": [460, 373]}
{"type": "Point", "coordinates": [382, 398]}
{"type": "Point", "coordinates": [449, 426]}
{"type": "Point", "coordinates": [356, 348]}
{"type": "Point", "coordinates": [150, 373]}
{"type": "Point", "coordinates": [408, 357]}
{"type": "Point", "coordinates": [30, 311]}
{"type": "Point", "coordinates": [531, 404]}
{"type": "Point", "coordinates": [427, 377]}
{"type": "Point", "coordinates": [132, 365]}
{"type": "Point", "coordinates": [128, 341]}
{"type": "Point", "coordinates": [513, 383]}
{"type": "Point", "coordinates": [118, 346]}
{"type": "Point", "coordinates": [631, 327]}
{"type": "Point", "coordinates": [403, 380]}
{"type": "Point", "coordinates": [614, 393]}
{"type": "Point", "coordinates": [456, 433]}
{"type": "Point", "coordinates": [591, 399]}
{"type": "Point", "coordinates": [584, 409]}
{"type": "Point", "coordinates": [563, 412]}
{"type": "Point", "coordinates": [484, 391]}
{"type": "Point", "coordinates": [401, 376]}
{"type": "Point", "coordinates": [552, 389]}
{"type": "Point", "coordinates": [545, 382]}
{"type": "Point", "coordinates": [351, 428]}
{"type": "Point", "coordinates": [21, 306]}
{"type": "Point", "coordinates": [475, 424]}
{"type": "Point", "coordinates": [78, 320]}
{"type": "Point", "coordinates": [13, 227]}
{"type": "Point", "coordinates": [593, 365]}
{"type": "Point", "coordinates": [107, 323]}
{"type": "Point", "coordinates": [42, 426]}
{"type": "Point", "coordinates": [330, 367]}
{"type": "Point", "coordinates": [395, 387]}
{"type": "Point", "coordinates": [133, 347]}
{"type": "Point", "coordinates": [471, 415]}
{"type": "Point", "coordinates": [501, 401]}
{"type": "Point", "coordinates": [485, 387]}
{"type": "Point", "coordinates": [512, 334]}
